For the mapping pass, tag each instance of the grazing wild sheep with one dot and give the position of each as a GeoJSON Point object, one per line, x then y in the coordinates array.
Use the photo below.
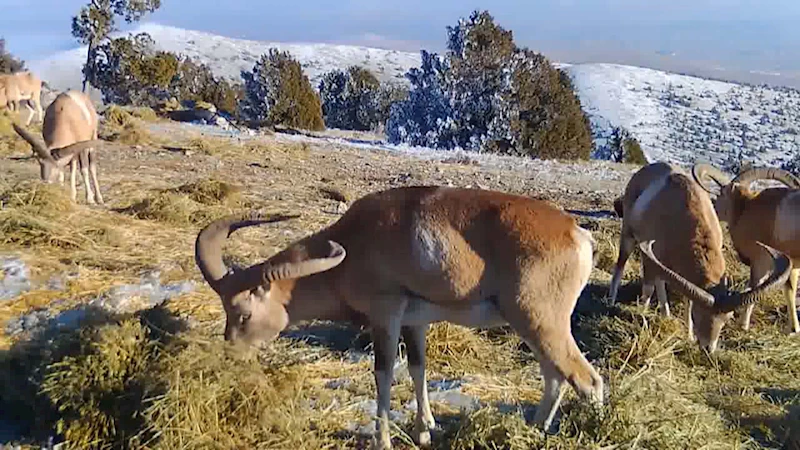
{"type": "Point", "coordinates": [69, 129]}
{"type": "Point", "coordinates": [404, 258]}
{"type": "Point", "coordinates": [673, 221]}
{"type": "Point", "coordinates": [771, 216]}
{"type": "Point", "coordinates": [22, 87]}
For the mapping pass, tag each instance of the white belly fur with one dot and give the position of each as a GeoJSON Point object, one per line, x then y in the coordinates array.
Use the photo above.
{"type": "Point", "coordinates": [483, 314]}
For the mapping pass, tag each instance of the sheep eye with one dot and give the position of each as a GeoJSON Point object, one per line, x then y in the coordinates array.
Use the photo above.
{"type": "Point", "coordinates": [244, 318]}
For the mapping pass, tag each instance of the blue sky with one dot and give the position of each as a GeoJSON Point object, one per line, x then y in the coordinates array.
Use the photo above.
{"type": "Point", "coordinates": [741, 34]}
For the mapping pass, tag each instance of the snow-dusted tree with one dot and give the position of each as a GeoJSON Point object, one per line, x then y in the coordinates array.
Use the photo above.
{"type": "Point", "coordinates": [350, 99]}
{"type": "Point", "coordinates": [131, 71]}
{"type": "Point", "coordinates": [426, 117]}
{"type": "Point", "coordinates": [622, 147]}
{"type": "Point", "coordinates": [480, 53]}
{"type": "Point", "coordinates": [97, 20]}
{"type": "Point", "coordinates": [488, 94]}
{"type": "Point", "coordinates": [8, 63]}
{"type": "Point", "coordinates": [278, 93]}
{"type": "Point", "coordinates": [195, 81]}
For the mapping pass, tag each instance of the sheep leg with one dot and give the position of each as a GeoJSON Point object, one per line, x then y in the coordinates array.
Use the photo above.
{"type": "Point", "coordinates": [759, 271]}
{"type": "Point", "coordinates": [626, 245]}
{"type": "Point", "coordinates": [31, 112]}
{"type": "Point", "coordinates": [559, 358]}
{"type": "Point", "coordinates": [93, 175]}
{"type": "Point", "coordinates": [552, 394]}
{"type": "Point", "coordinates": [414, 338]}
{"type": "Point", "coordinates": [37, 101]}
{"type": "Point", "coordinates": [690, 322]}
{"type": "Point", "coordinates": [661, 292]}
{"type": "Point", "coordinates": [648, 287]}
{"type": "Point", "coordinates": [73, 179]}
{"type": "Point", "coordinates": [790, 291]}
{"type": "Point", "coordinates": [385, 339]}
{"type": "Point", "coordinates": [87, 185]}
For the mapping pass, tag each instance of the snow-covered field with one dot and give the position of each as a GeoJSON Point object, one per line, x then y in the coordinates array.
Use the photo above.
{"type": "Point", "coordinates": [676, 117]}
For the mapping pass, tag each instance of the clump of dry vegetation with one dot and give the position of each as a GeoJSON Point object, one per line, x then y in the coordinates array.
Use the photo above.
{"type": "Point", "coordinates": [188, 204]}
{"type": "Point", "coordinates": [10, 142]}
{"type": "Point", "coordinates": [126, 128]}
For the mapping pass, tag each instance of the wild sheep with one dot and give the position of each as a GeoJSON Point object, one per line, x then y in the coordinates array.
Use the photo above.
{"type": "Point", "coordinates": [71, 119]}
{"type": "Point", "coordinates": [415, 256]}
{"type": "Point", "coordinates": [664, 206]}
{"type": "Point", "coordinates": [19, 88]}
{"type": "Point", "coordinates": [769, 216]}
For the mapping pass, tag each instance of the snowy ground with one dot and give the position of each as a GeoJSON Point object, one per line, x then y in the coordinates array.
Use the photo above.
{"type": "Point", "coordinates": [676, 117]}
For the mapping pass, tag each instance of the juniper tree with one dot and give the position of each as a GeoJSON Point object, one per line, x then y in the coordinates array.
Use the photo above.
{"type": "Point", "coordinates": [8, 63]}
{"type": "Point", "coordinates": [97, 20]}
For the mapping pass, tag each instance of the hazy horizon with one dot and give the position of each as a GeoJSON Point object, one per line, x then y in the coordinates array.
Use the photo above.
{"type": "Point", "coordinates": [729, 39]}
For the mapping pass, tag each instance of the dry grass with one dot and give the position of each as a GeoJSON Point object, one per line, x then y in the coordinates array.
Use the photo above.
{"type": "Point", "coordinates": [188, 204]}
{"type": "Point", "coordinates": [126, 128]}
{"type": "Point", "coordinates": [123, 379]}
{"type": "Point", "coordinates": [10, 142]}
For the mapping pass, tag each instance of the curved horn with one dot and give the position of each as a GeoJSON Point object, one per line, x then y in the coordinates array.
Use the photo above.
{"type": "Point", "coordinates": [208, 245]}
{"type": "Point", "coordinates": [305, 268]}
{"type": "Point", "coordinates": [38, 147]}
{"type": "Point", "coordinates": [782, 268]}
{"type": "Point", "coordinates": [703, 171]}
{"type": "Point", "coordinates": [768, 173]}
{"type": "Point", "coordinates": [681, 284]}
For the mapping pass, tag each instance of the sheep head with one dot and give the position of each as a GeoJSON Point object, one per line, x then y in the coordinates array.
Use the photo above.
{"type": "Point", "coordinates": [732, 192]}
{"type": "Point", "coordinates": [255, 298]}
{"type": "Point", "coordinates": [711, 309]}
{"type": "Point", "coordinates": [52, 162]}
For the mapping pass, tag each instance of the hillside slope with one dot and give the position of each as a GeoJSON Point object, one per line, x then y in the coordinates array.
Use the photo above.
{"type": "Point", "coordinates": [676, 117]}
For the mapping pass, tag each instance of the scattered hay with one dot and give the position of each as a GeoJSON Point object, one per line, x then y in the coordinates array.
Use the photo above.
{"type": "Point", "coordinates": [212, 146]}
{"type": "Point", "coordinates": [188, 204]}
{"type": "Point", "coordinates": [144, 113]}
{"type": "Point", "coordinates": [453, 350]}
{"type": "Point", "coordinates": [121, 126]}
{"type": "Point", "coordinates": [10, 142]}
{"type": "Point", "coordinates": [213, 399]}
{"type": "Point", "coordinates": [211, 192]}
{"type": "Point", "coordinates": [488, 428]}
{"type": "Point", "coordinates": [117, 117]}
{"type": "Point", "coordinates": [144, 381]}
{"type": "Point", "coordinates": [47, 199]}
{"type": "Point", "coordinates": [132, 134]}
{"type": "Point", "coordinates": [98, 391]}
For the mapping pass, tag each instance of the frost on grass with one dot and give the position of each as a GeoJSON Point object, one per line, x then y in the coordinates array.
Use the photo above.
{"type": "Point", "coordinates": [14, 277]}
{"type": "Point", "coordinates": [127, 298]}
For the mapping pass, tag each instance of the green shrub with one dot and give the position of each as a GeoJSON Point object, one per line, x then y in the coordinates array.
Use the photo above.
{"type": "Point", "coordinates": [350, 99]}
{"type": "Point", "coordinates": [8, 63]}
{"type": "Point", "coordinates": [278, 93]}
{"type": "Point", "coordinates": [550, 123]}
{"type": "Point", "coordinates": [128, 71]}
{"type": "Point", "coordinates": [624, 148]}
{"type": "Point", "coordinates": [196, 82]}
{"type": "Point", "coordinates": [633, 153]}
{"type": "Point", "coordinates": [486, 93]}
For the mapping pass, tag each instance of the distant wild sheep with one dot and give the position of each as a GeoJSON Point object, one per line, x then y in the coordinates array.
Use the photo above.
{"type": "Point", "coordinates": [672, 220]}
{"type": "Point", "coordinates": [20, 88]}
{"type": "Point", "coordinates": [771, 216]}
{"type": "Point", "coordinates": [70, 137]}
